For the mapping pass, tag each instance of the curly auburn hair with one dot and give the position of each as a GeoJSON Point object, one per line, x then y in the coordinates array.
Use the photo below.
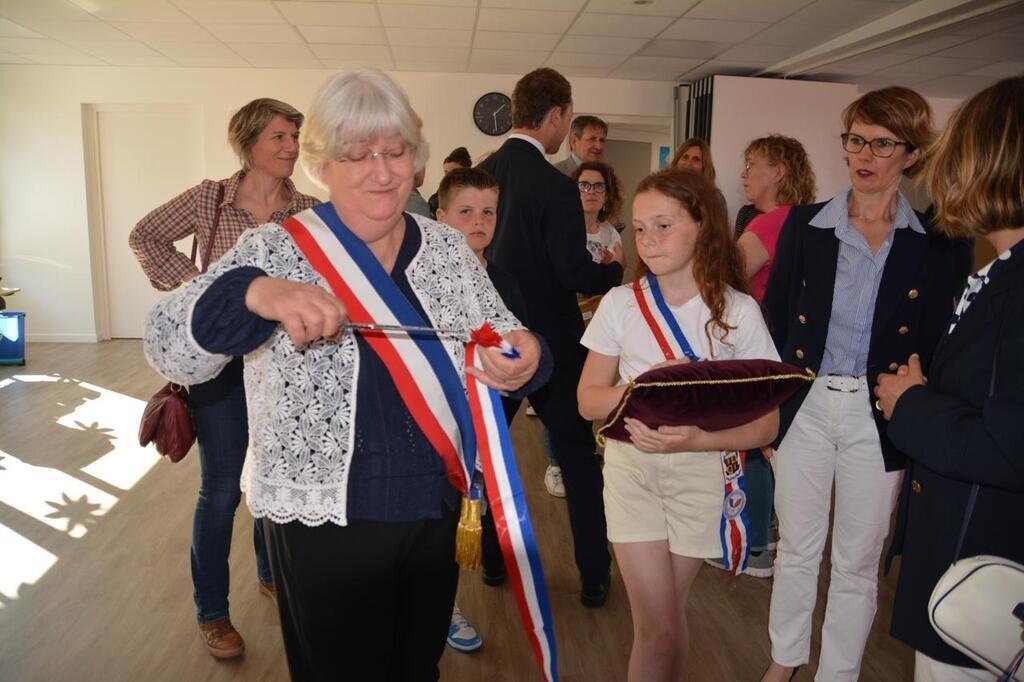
{"type": "Point", "coordinates": [612, 195]}
{"type": "Point", "coordinates": [798, 184]}
{"type": "Point", "coordinates": [717, 263]}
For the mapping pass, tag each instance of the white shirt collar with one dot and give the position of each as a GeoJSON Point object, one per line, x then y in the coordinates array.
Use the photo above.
{"type": "Point", "coordinates": [532, 140]}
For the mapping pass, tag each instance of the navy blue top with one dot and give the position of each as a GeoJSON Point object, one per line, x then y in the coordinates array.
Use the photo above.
{"type": "Point", "coordinates": [395, 474]}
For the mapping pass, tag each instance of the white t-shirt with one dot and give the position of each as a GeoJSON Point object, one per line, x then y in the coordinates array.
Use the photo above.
{"type": "Point", "coordinates": [619, 329]}
{"type": "Point", "coordinates": [603, 240]}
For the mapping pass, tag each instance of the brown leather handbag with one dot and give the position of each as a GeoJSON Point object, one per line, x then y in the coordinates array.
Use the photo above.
{"type": "Point", "coordinates": [167, 420]}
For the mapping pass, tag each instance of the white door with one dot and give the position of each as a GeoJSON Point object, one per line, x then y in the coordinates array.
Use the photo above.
{"type": "Point", "coordinates": [146, 155]}
{"type": "Point", "coordinates": [632, 163]}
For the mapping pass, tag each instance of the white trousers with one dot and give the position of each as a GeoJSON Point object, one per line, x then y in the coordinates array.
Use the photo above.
{"type": "Point", "coordinates": [929, 670]}
{"type": "Point", "coordinates": [832, 439]}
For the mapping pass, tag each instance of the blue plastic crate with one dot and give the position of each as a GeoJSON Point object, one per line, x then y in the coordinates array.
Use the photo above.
{"type": "Point", "coordinates": [12, 338]}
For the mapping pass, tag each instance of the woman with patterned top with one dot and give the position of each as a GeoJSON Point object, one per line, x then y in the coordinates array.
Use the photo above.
{"type": "Point", "coordinates": [963, 427]}
{"type": "Point", "coordinates": [355, 466]}
{"type": "Point", "coordinates": [265, 136]}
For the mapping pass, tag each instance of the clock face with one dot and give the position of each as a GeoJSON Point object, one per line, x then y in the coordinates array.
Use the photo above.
{"type": "Point", "coordinates": [492, 113]}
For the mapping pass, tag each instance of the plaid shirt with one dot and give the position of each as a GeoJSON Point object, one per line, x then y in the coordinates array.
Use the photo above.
{"type": "Point", "coordinates": [192, 212]}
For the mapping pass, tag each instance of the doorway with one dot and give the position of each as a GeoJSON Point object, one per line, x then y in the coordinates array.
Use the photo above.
{"type": "Point", "coordinates": [632, 163]}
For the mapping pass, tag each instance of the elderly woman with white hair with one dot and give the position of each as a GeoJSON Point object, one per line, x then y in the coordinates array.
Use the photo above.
{"type": "Point", "coordinates": [348, 468]}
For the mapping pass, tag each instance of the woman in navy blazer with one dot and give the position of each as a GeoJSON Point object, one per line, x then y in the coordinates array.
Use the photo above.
{"type": "Point", "coordinates": [966, 425]}
{"type": "Point", "coordinates": [858, 286]}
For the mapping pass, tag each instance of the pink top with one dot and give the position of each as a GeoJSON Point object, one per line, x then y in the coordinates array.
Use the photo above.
{"type": "Point", "coordinates": [766, 227]}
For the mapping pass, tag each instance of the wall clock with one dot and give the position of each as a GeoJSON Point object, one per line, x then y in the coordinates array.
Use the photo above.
{"type": "Point", "coordinates": [492, 113]}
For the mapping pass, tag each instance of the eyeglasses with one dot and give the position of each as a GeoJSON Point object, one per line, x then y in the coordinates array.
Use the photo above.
{"type": "Point", "coordinates": [392, 158]}
{"type": "Point", "coordinates": [882, 147]}
{"type": "Point", "coordinates": [588, 187]}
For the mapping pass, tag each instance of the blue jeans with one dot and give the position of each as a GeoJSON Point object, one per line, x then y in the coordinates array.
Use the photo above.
{"type": "Point", "coordinates": [222, 427]}
{"type": "Point", "coordinates": [548, 447]}
{"type": "Point", "coordinates": [760, 484]}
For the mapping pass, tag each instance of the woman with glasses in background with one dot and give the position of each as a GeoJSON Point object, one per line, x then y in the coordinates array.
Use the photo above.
{"type": "Point", "coordinates": [601, 196]}
{"type": "Point", "coordinates": [859, 284]}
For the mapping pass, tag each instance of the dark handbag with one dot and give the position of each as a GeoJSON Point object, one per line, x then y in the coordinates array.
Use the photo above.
{"type": "Point", "coordinates": [167, 420]}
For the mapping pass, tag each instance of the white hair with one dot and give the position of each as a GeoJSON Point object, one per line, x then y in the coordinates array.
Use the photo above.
{"type": "Point", "coordinates": [354, 107]}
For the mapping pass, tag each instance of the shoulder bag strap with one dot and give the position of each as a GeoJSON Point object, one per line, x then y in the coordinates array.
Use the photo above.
{"type": "Point", "coordinates": [213, 231]}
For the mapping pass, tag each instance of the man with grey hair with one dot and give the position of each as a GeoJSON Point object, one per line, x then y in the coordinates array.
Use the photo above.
{"type": "Point", "coordinates": [540, 239]}
{"type": "Point", "coordinates": [586, 143]}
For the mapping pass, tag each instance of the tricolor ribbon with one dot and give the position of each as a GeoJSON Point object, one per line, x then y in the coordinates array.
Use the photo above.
{"type": "Point", "coordinates": [733, 530]}
{"type": "Point", "coordinates": [459, 423]}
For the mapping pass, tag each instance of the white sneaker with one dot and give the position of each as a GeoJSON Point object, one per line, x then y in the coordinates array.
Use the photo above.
{"type": "Point", "coordinates": [530, 412]}
{"type": "Point", "coordinates": [553, 481]}
{"type": "Point", "coordinates": [462, 636]}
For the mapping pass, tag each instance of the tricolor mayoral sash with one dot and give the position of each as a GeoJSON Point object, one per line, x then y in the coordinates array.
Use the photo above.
{"type": "Point", "coordinates": [460, 423]}
{"type": "Point", "coordinates": [669, 335]}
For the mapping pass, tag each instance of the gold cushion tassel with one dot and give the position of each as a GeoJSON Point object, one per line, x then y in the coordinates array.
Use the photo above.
{"type": "Point", "coordinates": [467, 537]}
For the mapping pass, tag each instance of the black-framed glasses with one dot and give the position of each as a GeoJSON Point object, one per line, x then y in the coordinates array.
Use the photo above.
{"type": "Point", "coordinates": [882, 147]}
{"type": "Point", "coordinates": [588, 187]}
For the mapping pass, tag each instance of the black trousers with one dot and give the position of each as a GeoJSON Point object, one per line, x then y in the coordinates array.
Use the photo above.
{"type": "Point", "coordinates": [367, 601]}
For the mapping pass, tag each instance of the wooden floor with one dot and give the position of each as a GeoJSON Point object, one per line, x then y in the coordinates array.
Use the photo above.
{"type": "Point", "coordinates": [117, 602]}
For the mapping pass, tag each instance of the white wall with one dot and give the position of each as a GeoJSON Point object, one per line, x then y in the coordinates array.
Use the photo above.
{"type": "Point", "coordinates": [44, 236]}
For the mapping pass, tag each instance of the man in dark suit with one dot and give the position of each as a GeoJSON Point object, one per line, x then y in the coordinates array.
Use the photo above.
{"type": "Point", "coordinates": [541, 240]}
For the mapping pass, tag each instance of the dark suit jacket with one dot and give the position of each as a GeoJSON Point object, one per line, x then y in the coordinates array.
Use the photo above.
{"type": "Point", "coordinates": [954, 434]}
{"type": "Point", "coordinates": [922, 280]}
{"type": "Point", "coordinates": [540, 240]}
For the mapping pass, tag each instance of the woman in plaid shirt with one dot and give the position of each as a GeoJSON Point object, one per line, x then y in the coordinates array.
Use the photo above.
{"type": "Point", "coordinates": [265, 135]}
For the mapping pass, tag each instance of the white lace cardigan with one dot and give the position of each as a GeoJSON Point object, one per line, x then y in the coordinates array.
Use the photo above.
{"type": "Point", "coordinates": [302, 403]}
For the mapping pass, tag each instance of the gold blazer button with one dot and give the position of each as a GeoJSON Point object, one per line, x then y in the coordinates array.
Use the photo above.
{"type": "Point", "coordinates": [912, 294]}
{"type": "Point", "coordinates": [904, 329]}
{"type": "Point", "coordinates": [802, 318]}
{"type": "Point", "coordinates": [893, 366]}
{"type": "Point", "coordinates": [915, 486]}
{"type": "Point", "coordinates": [799, 354]}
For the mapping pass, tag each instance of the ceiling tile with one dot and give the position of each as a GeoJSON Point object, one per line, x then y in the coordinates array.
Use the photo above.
{"type": "Point", "coordinates": [927, 43]}
{"type": "Point", "coordinates": [29, 11]}
{"type": "Point", "coordinates": [178, 50]}
{"type": "Point", "coordinates": [67, 60]}
{"type": "Point", "coordinates": [231, 11]}
{"type": "Point", "coordinates": [566, 5]}
{"type": "Point", "coordinates": [438, 67]}
{"type": "Point", "coordinates": [847, 14]}
{"type": "Point", "coordinates": [674, 64]}
{"type": "Point", "coordinates": [352, 53]}
{"type": "Point", "coordinates": [722, 67]}
{"type": "Point", "coordinates": [484, 67]}
{"type": "Point", "coordinates": [8, 58]}
{"type": "Point", "coordinates": [9, 29]}
{"type": "Point", "coordinates": [167, 33]}
{"type": "Point", "coordinates": [955, 86]}
{"type": "Point", "coordinates": [350, 64]}
{"type": "Point", "coordinates": [498, 40]}
{"type": "Point", "coordinates": [683, 48]}
{"type": "Point", "coordinates": [995, 49]}
{"type": "Point", "coordinates": [448, 3]}
{"type": "Point", "coordinates": [999, 70]}
{"type": "Point", "coordinates": [150, 60]}
{"type": "Point", "coordinates": [344, 35]}
{"type": "Point", "coordinates": [527, 58]}
{"type": "Point", "coordinates": [644, 75]}
{"type": "Point", "coordinates": [80, 30]}
{"type": "Point", "coordinates": [769, 54]}
{"type": "Point", "coordinates": [283, 63]}
{"type": "Point", "coordinates": [329, 13]}
{"type": "Point", "coordinates": [990, 23]}
{"type": "Point", "coordinates": [661, 9]}
{"type": "Point", "coordinates": [213, 62]}
{"type": "Point", "coordinates": [523, 20]}
{"type": "Point", "coordinates": [429, 37]}
{"type": "Point", "coordinates": [609, 44]}
{"type": "Point", "coordinates": [866, 63]}
{"type": "Point", "coordinates": [113, 48]}
{"type": "Point", "coordinates": [409, 53]}
{"type": "Point", "coordinates": [605, 60]}
{"type": "Point", "coordinates": [882, 79]}
{"type": "Point", "coordinates": [715, 30]}
{"type": "Point", "coordinates": [413, 16]}
{"type": "Point", "coordinates": [34, 46]}
{"type": "Point", "coordinates": [583, 71]}
{"type": "Point", "coordinates": [940, 66]}
{"type": "Point", "coordinates": [746, 10]}
{"type": "Point", "coordinates": [619, 25]}
{"type": "Point", "coordinates": [250, 51]}
{"type": "Point", "coordinates": [255, 33]}
{"type": "Point", "coordinates": [792, 35]}
{"type": "Point", "coordinates": [132, 10]}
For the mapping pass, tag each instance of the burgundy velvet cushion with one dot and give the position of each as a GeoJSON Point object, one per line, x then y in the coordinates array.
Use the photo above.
{"type": "Point", "coordinates": [711, 394]}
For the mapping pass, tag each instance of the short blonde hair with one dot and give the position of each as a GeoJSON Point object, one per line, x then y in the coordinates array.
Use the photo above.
{"type": "Point", "coordinates": [797, 186]}
{"type": "Point", "coordinates": [901, 110]}
{"type": "Point", "coordinates": [249, 121]}
{"type": "Point", "coordinates": [705, 155]}
{"type": "Point", "coordinates": [974, 172]}
{"type": "Point", "coordinates": [353, 107]}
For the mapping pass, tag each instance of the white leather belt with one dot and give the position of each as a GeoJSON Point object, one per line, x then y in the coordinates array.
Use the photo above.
{"type": "Point", "coordinates": [845, 383]}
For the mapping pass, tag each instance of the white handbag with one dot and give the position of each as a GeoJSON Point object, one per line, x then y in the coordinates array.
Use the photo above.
{"type": "Point", "coordinates": [977, 607]}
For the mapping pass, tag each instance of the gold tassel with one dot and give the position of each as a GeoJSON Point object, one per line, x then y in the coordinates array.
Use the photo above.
{"type": "Point", "coordinates": [467, 537]}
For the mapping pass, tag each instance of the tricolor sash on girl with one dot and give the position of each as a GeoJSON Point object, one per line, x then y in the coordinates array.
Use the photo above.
{"type": "Point", "coordinates": [461, 424]}
{"type": "Point", "coordinates": [733, 530]}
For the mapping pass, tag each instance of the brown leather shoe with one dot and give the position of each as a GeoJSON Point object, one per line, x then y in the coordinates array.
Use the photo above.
{"type": "Point", "coordinates": [268, 590]}
{"type": "Point", "coordinates": [221, 638]}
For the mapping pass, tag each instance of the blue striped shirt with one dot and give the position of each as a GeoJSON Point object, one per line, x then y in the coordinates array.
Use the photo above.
{"type": "Point", "coordinates": [858, 275]}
